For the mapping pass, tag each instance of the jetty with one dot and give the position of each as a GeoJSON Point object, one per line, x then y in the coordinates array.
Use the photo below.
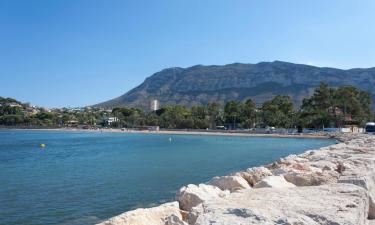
{"type": "Point", "coordinates": [333, 185]}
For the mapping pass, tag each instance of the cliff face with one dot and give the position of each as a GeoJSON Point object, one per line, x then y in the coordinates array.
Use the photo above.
{"type": "Point", "coordinates": [261, 82]}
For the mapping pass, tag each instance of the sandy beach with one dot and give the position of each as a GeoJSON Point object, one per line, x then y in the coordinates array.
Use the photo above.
{"type": "Point", "coordinates": [189, 132]}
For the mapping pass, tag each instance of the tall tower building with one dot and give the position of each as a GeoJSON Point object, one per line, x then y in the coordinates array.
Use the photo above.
{"type": "Point", "coordinates": [154, 105]}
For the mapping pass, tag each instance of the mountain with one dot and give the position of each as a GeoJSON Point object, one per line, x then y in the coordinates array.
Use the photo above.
{"type": "Point", "coordinates": [262, 81]}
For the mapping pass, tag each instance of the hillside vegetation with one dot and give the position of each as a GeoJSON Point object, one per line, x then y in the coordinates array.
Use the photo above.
{"type": "Point", "coordinates": [327, 107]}
{"type": "Point", "coordinates": [200, 85]}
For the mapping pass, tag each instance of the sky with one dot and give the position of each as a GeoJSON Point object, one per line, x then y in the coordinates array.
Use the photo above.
{"type": "Point", "coordinates": [70, 53]}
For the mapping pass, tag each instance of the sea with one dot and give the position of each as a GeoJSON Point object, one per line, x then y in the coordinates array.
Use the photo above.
{"type": "Point", "coordinates": [84, 178]}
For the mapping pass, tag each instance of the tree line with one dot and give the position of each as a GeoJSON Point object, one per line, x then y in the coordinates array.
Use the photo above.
{"type": "Point", "coordinates": [327, 107]}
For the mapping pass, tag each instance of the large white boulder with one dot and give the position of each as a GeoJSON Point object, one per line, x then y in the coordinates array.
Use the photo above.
{"type": "Point", "coordinates": [156, 216]}
{"type": "Point", "coordinates": [306, 173]}
{"type": "Point", "coordinates": [192, 195]}
{"type": "Point", "coordinates": [274, 182]}
{"type": "Point", "coordinates": [311, 178]}
{"type": "Point", "coordinates": [318, 205]}
{"type": "Point", "coordinates": [254, 175]}
{"type": "Point", "coordinates": [368, 183]}
{"type": "Point", "coordinates": [231, 183]}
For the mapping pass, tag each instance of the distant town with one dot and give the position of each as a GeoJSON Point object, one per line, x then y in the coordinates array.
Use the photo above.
{"type": "Point", "coordinates": [15, 113]}
{"type": "Point", "coordinates": [329, 108]}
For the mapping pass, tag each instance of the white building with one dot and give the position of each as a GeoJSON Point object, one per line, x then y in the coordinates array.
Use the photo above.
{"type": "Point", "coordinates": [110, 120]}
{"type": "Point", "coordinates": [154, 105]}
{"type": "Point", "coordinates": [13, 104]}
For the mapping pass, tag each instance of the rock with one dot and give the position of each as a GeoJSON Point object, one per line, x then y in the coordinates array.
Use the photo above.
{"type": "Point", "coordinates": [174, 220]}
{"type": "Point", "coordinates": [337, 204]}
{"type": "Point", "coordinates": [274, 182]}
{"type": "Point", "coordinates": [366, 182]}
{"type": "Point", "coordinates": [194, 213]}
{"type": "Point", "coordinates": [279, 171]}
{"type": "Point", "coordinates": [300, 167]}
{"type": "Point", "coordinates": [254, 175]}
{"type": "Point", "coordinates": [291, 160]}
{"type": "Point", "coordinates": [311, 178]}
{"type": "Point", "coordinates": [156, 216]}
{"type": "Point", "coordinates": [231, 183]}
{"type": "Point", "coordinates": [324, 165]}
{"type": "Point", "coordinates": [337, 146]}
{"type": "Point", "coordinates": [193, 195]}
{"type": "Point", "coordinates": [307, 173]}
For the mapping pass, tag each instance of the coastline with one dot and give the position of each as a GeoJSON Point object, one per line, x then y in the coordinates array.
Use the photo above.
{"type": "Point", "coordinates": [183, 132]}
{"type": "Point", "coordinates": [333, 184]}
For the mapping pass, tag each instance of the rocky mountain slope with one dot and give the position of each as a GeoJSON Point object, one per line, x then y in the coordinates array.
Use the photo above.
{"type": "Point", "coordinates": [202, 84]}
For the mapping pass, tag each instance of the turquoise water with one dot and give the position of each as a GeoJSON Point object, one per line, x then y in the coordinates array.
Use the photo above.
{"type": "Point", "coordinates": [84, 178]}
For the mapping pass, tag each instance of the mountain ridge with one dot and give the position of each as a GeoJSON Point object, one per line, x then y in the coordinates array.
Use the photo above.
{"type": "Point", "coordinates": [262, 81]}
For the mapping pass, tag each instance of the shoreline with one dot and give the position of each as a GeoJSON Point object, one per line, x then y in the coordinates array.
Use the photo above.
{"type": "Point", "coordinates": [335, 183]}
{"type": "Point", "coordinates": [183, 132]}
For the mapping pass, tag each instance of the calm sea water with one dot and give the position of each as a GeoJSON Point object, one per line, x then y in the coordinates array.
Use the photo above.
{"type": "Point", "coordinates": [84, 178]}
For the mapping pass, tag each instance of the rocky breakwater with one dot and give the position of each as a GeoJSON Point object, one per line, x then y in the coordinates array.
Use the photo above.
{"type": "Point", "coordinates": [334, 185]}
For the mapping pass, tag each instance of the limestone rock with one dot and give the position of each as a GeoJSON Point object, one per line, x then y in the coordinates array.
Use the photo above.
{"type": "Point", "coordinates": [274, 182]}
{"type": "Point", "coordinates": [311, 178]}
{"type": "Point", "coordinates": [279, 171]}
{"type": "Point", "coordinates": [156, 216]}
{"type": "Point", "coordinates": [231, 183]}
{"type": "Point", "coordinates": [193, 195]}
{"type": "Point", "coordinates": [255, 174]}
{"type": "Point", "coordinates": [194, 213]}
{"type": "Point", "coordinates": [175, 220]}
{"type": "Point", "coordinates": [324, 165]}
{"type": "Point", "coordinates": [366, 182]}
{"type": "Point", "coordinates": [319, 205]}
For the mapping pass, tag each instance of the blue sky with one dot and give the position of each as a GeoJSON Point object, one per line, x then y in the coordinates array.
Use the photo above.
{"type": "Point", "coordinates": [76, 53]}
